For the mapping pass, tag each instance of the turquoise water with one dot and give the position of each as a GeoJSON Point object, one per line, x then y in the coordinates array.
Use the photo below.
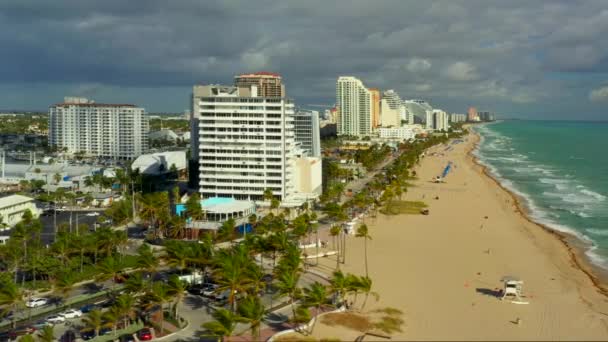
{"type": "Point", "coordinates": [560, 169]}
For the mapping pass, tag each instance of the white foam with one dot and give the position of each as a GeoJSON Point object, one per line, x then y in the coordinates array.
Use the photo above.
{"type": "Point", "coordinates": [593, 194]}
{"type": "Point", "coordinates": [599, 232]}
{"type": "Point", "coordinates": [595, 258]}
{"type": "Point", "coordinates": [553, 181]}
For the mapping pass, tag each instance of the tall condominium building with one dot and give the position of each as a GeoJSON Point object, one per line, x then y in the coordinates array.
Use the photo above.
{"type": "Point", "coordinates": [246, 142]}
{"type": "Point", "coordinates": [486, 116]}
{"type": "Point", "coordinates": [307, 131]}
{"type": "Point", "coordinates": [375, 105]}
{"type": "Point", "coordinates": [454, 117]}
{"type": "Point", "coordinates": [268, 84]}
{"type": "Point", "coordinates": [472, 114]}
{"type": "Point", "coordinates": [353, 101]}
{"type": "Point", "coordinates": [437, 120]}
{"type": "Point", "coordinates": [95, 129]}
{"type": "Point", "coordinates": [393, 110]}
{"type": "Point", "coordinates": [416, 110]}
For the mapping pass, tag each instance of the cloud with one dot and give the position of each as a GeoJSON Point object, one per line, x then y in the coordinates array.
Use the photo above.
{"type": "Point", "coordinates": [461, 71]}
{"type": "Point", "coordinates": [418, 65]}
{"type": "Point", "coordinates": [599, 94]}
{"type": "Point", "coordinates": [422, 87]}
{"type": "Point", "coordinates": [499, 53]}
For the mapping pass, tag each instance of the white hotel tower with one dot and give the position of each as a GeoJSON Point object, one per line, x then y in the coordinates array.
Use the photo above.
{"type": "Point", "coordinates": [246, 142]}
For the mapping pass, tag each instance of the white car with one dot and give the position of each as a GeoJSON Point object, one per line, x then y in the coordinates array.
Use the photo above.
{"type": "Point", "coordinates": [55, 319]}
{"type": "Point", "coordinates": [94, 213]}
{"type": "Point", "coordinates": [36, 302]}
{"type": "Point", "coordinates": [72, 313]}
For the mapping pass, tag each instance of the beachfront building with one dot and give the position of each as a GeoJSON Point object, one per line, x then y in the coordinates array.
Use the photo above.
{"type": "Point", "coordinates": [437, 120]}
{"type": "Point", "coordinates": [246, 144]}
{"type": "Point", "coordinates": [416, 110]}
{"type": "Point", "coordinates": [354, 105]}
{"type": "Point", "coordinates": [161, 163]}
{"type": "Point", "coordinates": [393, 110]}
{"type": "Point", "coordinates": [307, 131]}
{"type": "Point", "coordinates": [80, 125]}
{"type": "Point", "coordinates": [13, 207]}
{"type": "Point", "coordinates": [486, 116]}
{"type": "Point", "coordinates": [398, 133]}
{"type": "Point", "coordinates": [472, 114]}
{"type": "Point", "coordinates": [375, 107]}
{"type": "Point", "coordinates": [454, 118]}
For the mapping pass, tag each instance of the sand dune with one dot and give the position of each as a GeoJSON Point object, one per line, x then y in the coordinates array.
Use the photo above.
{"type": "Point", "coordinates": [442, 269]}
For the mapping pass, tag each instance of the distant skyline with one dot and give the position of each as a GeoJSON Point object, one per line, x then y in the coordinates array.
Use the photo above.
{"type": "Point", "coordinates": [522, 59]}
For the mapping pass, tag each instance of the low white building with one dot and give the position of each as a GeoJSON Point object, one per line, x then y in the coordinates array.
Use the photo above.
{"type": "Point", "coordinates": [454, 117]}
{"type": "Point", "coordinates": [13, 207]}
{"type": "Point", "coordinates": [160, 163]}
{"type": "Point", "coordinates": [398, 133]}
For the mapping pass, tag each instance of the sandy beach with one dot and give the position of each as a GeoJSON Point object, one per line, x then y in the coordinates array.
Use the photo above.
{"type": "Point", "coordinates": [442, 270]}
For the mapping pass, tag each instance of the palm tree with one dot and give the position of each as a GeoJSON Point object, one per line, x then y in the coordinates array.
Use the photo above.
{"type": "Point", "coordinates": [176, 255]}
{"type": "Point", "coordinates": [112, 317]}
{"type": "Point", "coordinates": [287, 285]}
{"type": "Point", "coordinates": [11, 297]}
{"type": "Point", "coordinates": [363, 232]}
{"type": "Point", "coordinates": [109, 268]}
{"type": "Point", "coordinates": [159, 295]}
{"type": "Point", "coordinates": [94, 320]}
{"type": "Point", "coordinates": [146, 259]}
{"type": "Point", "coordinates": [315, 296]}
{"type": "Point", "coordinates": [124, 308]}
{"type": "Point", "coordinates": [64, 284]}
{"type": "Point", "coordinates": [231, 271]}
{"type": "Point", "coordinates": [224, 323]}
{"type": "Point", "coordinates": [336, 232]}
{"type": "Point", "coordinates": [27, 338]}
{"type": "Point", "coordinates": [47, 334]}
{"type": "Point", "coordinates": [339, 285]}
{"type": "Point", "coordinates": [177, 289]}
{"type": "Point", "coordinates": [135, 285]}
{"type": "Point", "coordinates": [251, 310]}
{"type": "Point", "coordinates": [365, 285]}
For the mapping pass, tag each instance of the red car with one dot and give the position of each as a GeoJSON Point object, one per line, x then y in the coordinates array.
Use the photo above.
{"type": "Point", "coordinates": [144, 334]}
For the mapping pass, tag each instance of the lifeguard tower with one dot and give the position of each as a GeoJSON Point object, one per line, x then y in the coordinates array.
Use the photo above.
{"type": "Point", "coordinates": [513, 290]}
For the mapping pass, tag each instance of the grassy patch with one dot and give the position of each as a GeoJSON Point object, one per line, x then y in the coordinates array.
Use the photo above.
{"type": "Point", "coordinates": [348, 320]}
{"type": "Point", "coordinates": [403, 207]}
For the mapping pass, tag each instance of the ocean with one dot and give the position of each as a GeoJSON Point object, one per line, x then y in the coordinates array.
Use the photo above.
{"type": "Point", "coordinates": [560, 169]}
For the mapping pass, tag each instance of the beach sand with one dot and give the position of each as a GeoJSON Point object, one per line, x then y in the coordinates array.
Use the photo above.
{"type": "Point", "coordinates": [441, 270]}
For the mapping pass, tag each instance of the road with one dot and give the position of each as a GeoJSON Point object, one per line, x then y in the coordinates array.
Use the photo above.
{"type": "Point", "coordinates": [63, 216]}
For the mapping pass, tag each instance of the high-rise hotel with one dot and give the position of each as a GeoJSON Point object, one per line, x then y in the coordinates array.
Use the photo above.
{"type": "Point", "coordinates": [246, 141]}
{"type": "Point", "coordinates": [80, 125]}
{"type": "Point", "coordinates": [354, 105]}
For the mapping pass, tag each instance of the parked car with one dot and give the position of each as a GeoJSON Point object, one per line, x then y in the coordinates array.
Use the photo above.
{"type": "Point", "coordinates": [20, 331]}
{"type": "Point", "coordinates": [35, 302]}
{"type": "Point", "coordinates": [144, 334]}
{"type": "Point", "coordinates": [209, 290]}
{"type": "Point", "coordinates": [87, 334]}
{"type": "Point", "coordinates": [126, 338]}
{"type": "Point", "coordinates": [55, 319]}
{"type": "Point", "coordinates": [88, 308]}
{"type": "Point", "coordinates": [72, 313]}
{"type": "Point", "coordinates": [196, 290]}
{"type": "Point", "coordinates": [68, 336]}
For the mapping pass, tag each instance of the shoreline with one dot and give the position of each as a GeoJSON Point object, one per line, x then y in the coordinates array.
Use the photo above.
{"type": "Point", "coordinates": [444, 271]}
{"type": "Point", "coordinates": [574, 246]}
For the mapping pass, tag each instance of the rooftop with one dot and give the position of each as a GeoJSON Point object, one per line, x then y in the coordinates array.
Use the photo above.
{"type": "Point", "coordinates": [260, 73]}
{"type": "Point", "coordinates": [66, 104]}
{"type": "Point", "coordinates": [13, 200]}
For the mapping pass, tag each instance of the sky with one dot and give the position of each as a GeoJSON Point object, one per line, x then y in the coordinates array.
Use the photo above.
{"type": "Point", "coordinates": [524, 59]}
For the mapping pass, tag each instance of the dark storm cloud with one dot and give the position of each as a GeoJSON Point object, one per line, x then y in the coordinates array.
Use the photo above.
{"type": "Point", "coordinates": [499, 54]}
